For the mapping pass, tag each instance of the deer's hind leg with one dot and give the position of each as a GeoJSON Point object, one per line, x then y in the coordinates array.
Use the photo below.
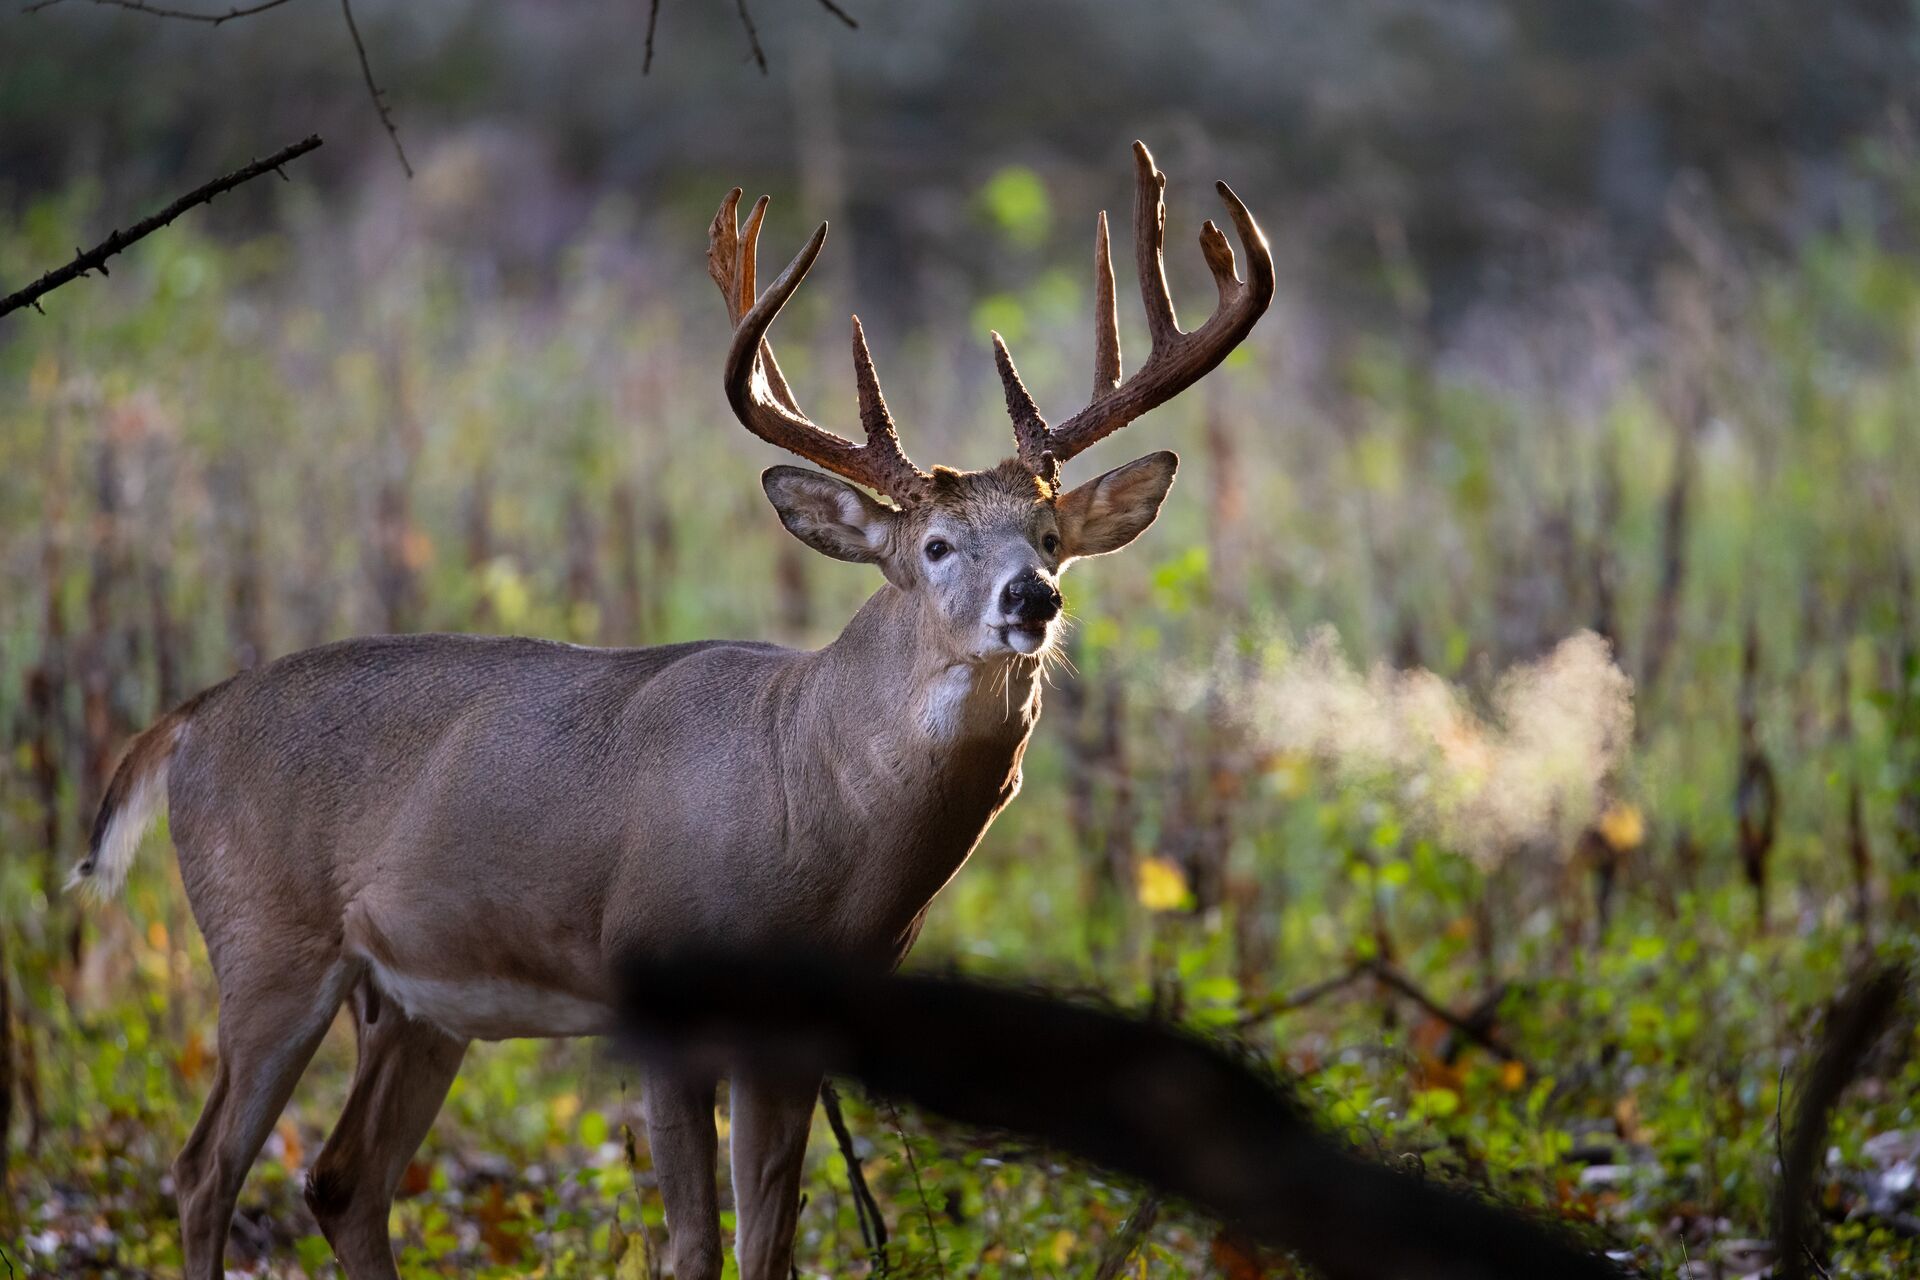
{"type": "Point", "coordinates": [402, 1077]}
{"type": "Point", "coordinates": [275, 1006]}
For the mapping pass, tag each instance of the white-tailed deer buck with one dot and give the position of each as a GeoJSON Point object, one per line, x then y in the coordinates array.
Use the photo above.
{"type": "Point", "coordinates": [456, 835]}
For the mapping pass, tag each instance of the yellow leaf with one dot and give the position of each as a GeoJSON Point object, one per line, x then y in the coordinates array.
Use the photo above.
{"type": "Point", "coordinates": [157, 936]}
{"type": "Point", "coordinates": [1513, 1076]}
{"type": "Point", "coordinates": [1062, 1247]}
{"type": "Point", "coordinates": [1162, 885]}
{"type": "Point", "coordinates": [1622, 827]}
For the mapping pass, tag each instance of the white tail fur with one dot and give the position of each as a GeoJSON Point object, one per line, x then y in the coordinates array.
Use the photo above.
{"type": "Point", "coordinates": [103, 872]}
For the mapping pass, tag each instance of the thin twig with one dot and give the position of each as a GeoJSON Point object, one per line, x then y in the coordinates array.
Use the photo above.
{"type": "Point", "coordinates": [653, 20]}
{"type": "Point", "coordinates": [1472, 1026]}
{"type": "Point", "coordinates": [839, 13]}
{"type": "Point", "coordinates": [920, 1189]}
{"type": "Point", "coordinates": [95, 259]}
{"type": "Point", "coordinates": [753, 36]}
{"type": "Point", "coordinates": [184, 15]}
{"type": "Point", "coordinates": [373, 90]}
{"type": "Point", "coordinates": [1310, 994]}
{"type": "Point", "coordinates": [1856, 1022]}
{"type": "Point", "coordinates": [1389, 976]}
{"type": "Point", "coordinates": [873, 1227]}
{"type": "Point", "coordinates": [1127, 1242]}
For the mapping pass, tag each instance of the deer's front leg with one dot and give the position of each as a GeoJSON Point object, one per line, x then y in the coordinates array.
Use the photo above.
{"type": "Point", "coordinates": [680, 1133]}
{"type": "Point", "coordinates": [770, 1117]}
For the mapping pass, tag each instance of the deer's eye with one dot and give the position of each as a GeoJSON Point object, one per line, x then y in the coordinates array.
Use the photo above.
{"type": "Point", "coordinates": [937, 549]}
{"type": "Point", "coordinates": [1050, 543]}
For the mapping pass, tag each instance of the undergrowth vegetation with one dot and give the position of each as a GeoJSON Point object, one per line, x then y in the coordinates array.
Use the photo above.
{"type": "Point", "coordinates": [1640, 592]}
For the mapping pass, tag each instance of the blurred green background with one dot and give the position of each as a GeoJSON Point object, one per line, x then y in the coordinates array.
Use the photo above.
{"type": "Point", "coordinates": [1594, 317]}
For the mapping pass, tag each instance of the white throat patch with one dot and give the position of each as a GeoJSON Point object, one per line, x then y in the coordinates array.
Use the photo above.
{"type": "Point", "coordinates": [968, 697]}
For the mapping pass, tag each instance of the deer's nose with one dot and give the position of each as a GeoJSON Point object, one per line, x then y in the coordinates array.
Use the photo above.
{"type": "Point", "coordinates": [1028, 597]}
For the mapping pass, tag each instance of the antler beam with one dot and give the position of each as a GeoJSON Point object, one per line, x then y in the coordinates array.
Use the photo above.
{"type": "Point", "coordinates": [1178, 359]}
{"type": "Point", "coordinates": [757, 390]}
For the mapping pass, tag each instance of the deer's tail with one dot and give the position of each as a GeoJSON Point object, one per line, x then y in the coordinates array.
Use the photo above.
{"type": "Point", "coordinates": [135, 799]}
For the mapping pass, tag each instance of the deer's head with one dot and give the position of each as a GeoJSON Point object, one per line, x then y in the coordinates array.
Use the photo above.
{"type": "Point", "coordinates": [982, 551]}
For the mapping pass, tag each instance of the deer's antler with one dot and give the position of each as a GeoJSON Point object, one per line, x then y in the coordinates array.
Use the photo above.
{"type": "Point", "coordinates": [758, 392]}
{"type": "Point", "coordinates": [1178, 359]}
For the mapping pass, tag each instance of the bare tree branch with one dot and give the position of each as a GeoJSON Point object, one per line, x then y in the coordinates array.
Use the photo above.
{"type": "Point", "coordinates": [159, 11]}
{"type": "Point", "coordinates": [1144, 1100]}
{"type": "Point", "coordinates": [373, 90]}
{"type": "Point", "coordinates": [379, 99]}
{"type": "Point", "coordinates": [753, 36]}
{"type": "Point", "coordinates": [839, 13]}
{"type": "Point", "coordinates": [95, 259]}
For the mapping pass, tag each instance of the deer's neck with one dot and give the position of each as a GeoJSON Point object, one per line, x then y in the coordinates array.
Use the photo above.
{"type": "Point", "coordinates": [919, 751]}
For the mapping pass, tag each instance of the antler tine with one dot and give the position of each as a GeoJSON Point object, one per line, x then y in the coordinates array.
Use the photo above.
{"type": "Point", "coordinates": [1150, 246]}
{"type": "Point", "coordinates": [732, 255]}
{"type": "Point", "coordinates": [1178, 358]}
{"type": "Point", "coordinates": [901, 478]}
{"type": "Point", "coordinates": [1106, 316]}
{"type": "Point", "coordinates": [1029, 428]}
{"type": "Point", "coordinates": [759, 394]}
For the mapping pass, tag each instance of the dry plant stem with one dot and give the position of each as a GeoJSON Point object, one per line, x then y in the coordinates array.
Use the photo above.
{"type": "Point", "coordinates": [632, 1153]}
{"type": "Point", "coordinates": [919, 1190]}
{"type": "Point", "coordinates": [1663, 630]}
{"type": "Point", "coordinates": [373, 90]}
{"type": "Point", "coordinates": [873, 1227]}
{"type": "Point", "coordinates": [1857, 1021]}
{"type": "Point", "coordinates": [95, 259]}
{"type": "Point", "coordinates": [1127, 1242]}
{"type": "Point", "coordinates": [653, 21]}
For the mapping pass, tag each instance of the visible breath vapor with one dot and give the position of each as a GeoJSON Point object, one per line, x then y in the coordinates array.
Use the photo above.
{"type": "Point", "coordinates": [1533, 768]}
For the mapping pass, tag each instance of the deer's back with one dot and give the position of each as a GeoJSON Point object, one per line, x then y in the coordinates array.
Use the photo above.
{"type": "Point", "coordinates": [379, 785]}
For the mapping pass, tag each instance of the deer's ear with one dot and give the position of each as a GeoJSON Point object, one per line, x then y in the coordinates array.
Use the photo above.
{"type": "Point", "coordinates": [830, 515]}
{"type": "Point", "coordinates": [1109, 511]}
